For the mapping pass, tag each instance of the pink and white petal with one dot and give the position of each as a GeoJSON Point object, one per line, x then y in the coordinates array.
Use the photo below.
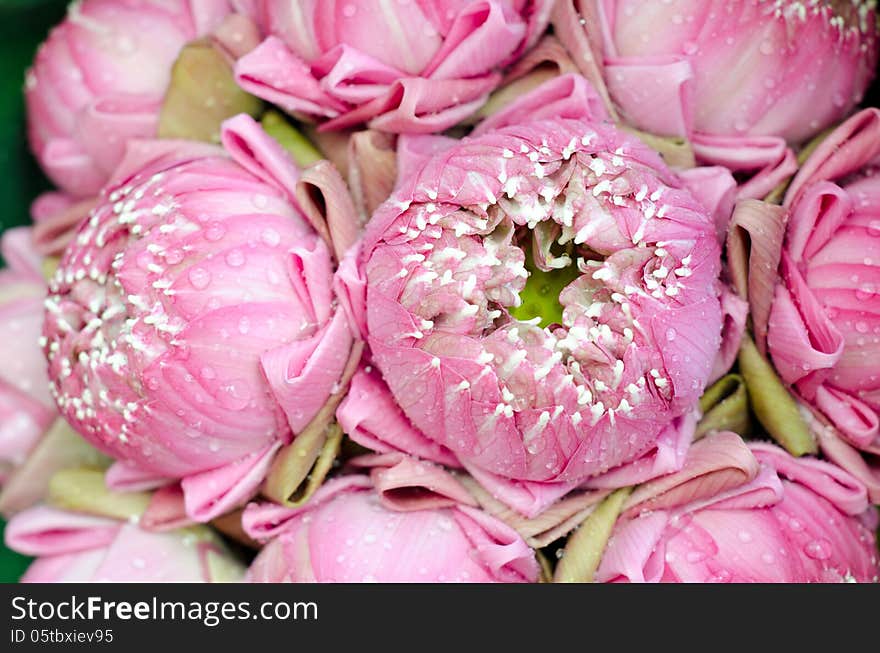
{"type": "Point", "coordinates": [47, 531]}
{"type": "Point", "coordinates": [273, 73]}
{"type": "Point", "coordinates": [405, 483]}
{"type": "Point", "coordinates": [852, 145]}
{"type": "Point", "coordinates": [768, 160]}
{"type": "Point", "coordinates": [655, 92]}
{"type": "Point", "coordinates": [304, 373]}
{"type": "Point", "coordinates": [566, 96]}
{"type": "Point", "coordinates": [370, 416]}
{"type": "Point", "coordinates": [263, 521]}
{"type": "Point", "coordinates": [217, 491]}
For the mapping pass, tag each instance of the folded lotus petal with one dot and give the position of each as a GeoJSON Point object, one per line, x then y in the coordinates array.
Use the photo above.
{"type": "Point", "coordinates": [405, 483]}
{"type": "Point", "coordinates": [65, 567]}
{"type": "Point", "coordinates": [498, 546]}
{"type": "Point", "coordinates": [822, 211]}
{"type": "Point", "coordinates": [212, 493]}
{"type": "Point", "coordinates": [58, 448]}
{"type": "Point", "coordinates": [635, 552]}
{"type": "Point", "coordinates": [832, 483]}
{"type": "Point", "coordinates": [208, 15]}
{"type": "Point", "coordinates": [68, 161]}
{"type": "Point", "coordinates": [22, 366]}
{"type": "Point", "coordinates": [528, 498]}
{"type": "Point", "coordinates": [353, 77]}
{"type": "Point", "coordinates": [18, 250]}
{"type": "Point", "coordinates": [80, 548]}
{"type": "Point", "coordinates": [109, 122]}
{"type": "Point", "coordinates": [864, 467]}
{"type": "Point", "coordinates": [548, 56]}
{"type": "Point", "coordinates": [800, 336]}
{"type": "Point", "coordinates": [555, 522]}
{"type": "Point", "coordinates": [323, 196]}
{"type": "Point", "coordinates": [255, 151]}
{"type": "Point", "coordinates": [855, 421]}
{"type": "Point", "coordinates": [765, 489]}
{"type": "Point", "coordinates": [87, 94]}
{"type": "Point", "coordinates": [304, 373]}
{"type": "Point", "coordinates": [852, 145]}
{"type": "Point", "coordinates": [768, 159]}
{"type": "Point", "coordinates": [125, 476]}
{"type": "Point", "coordinates": [274, 73]}
{"type": "Point", "coordinates": [583, 41]}
{"type": "Point", "coordinates": [350, 288]}
{"type": "Point", "coordinates": [56, 217]}
{"type": "Point", "coordinates": [566, 96]}
{"type": "Point", "coordinates": [735, 311]}
{"type": "Point", "coordinates": [653, 93]}
{"type": "Point", "coordinates": [754, 249]}
{"type": "Point", "coordinates": [236, 35]}
{"type": "Point", "coordinates": [263, 521]}
{"type": "Point", "coordinates": [545, 62]}
{"type": "Point", "coordinates": [347, 535]}
{"type": "Point", "coordinates": [481, 36]}
{"type": "Point", "coordinates": [667, 456]}
{"type": "Point", "coordinates": [370, 416]}
{"type": "Point", "coordinates": [43, 531]}
{"type": "Point", "coordinates": [419, 106]}
{"type": "Point", "coordinates": [22, 422]}
{"type": "Point", "coordinates": [415, 150]}
{"type": "Point", "coordinates": [716, 188]}
{"type": "Point", "coordinates": [713, 465]}
{"type": "Point", "coordinates": [372, 170]}
{"type": "Point", "coordinates": [166, 510]}
{"type": "Point", "coordinates": [141, 556]}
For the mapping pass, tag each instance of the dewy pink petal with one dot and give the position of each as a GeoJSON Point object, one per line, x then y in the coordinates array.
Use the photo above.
{"type": "Point", "coordinates": [347, 535]}
{"type": "Point", "coordinates": [81, 548]}
{"type": "Point", "coordinates": [640, 326]}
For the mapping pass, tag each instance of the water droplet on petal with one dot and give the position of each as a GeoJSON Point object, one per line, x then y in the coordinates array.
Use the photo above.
{"type": "Point", "coordinates": [199, 278]}
{"type": "Point", "coordinates": [819, 549]}
{"type": "Point", "coordinates": [235, 258]}
{"type": "Point", "coordinates": [271, 237]}
{"type": "Point", "coordinates": [215, 231]}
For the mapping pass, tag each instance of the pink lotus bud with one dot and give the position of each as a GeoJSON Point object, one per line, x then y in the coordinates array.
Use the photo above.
{"type": "Point", "coordinates": [737, 77]}
{"type": "Point", "coordinates": [823, 322]}
{"type": "Point", "coordinates": [433, 66]}
{"type": "Point", "coordinates": [99, 80]}
{"type": "Point", "coordinates": [78, 548]}
{"type": "Point", "coordinates": [768, 517]}
{"type": "Point", "coordinates": [347, 533]}
{"type": "Point", "coordinates": [541, 299]}
{"type": "Point", "coordinates": [191, 324]}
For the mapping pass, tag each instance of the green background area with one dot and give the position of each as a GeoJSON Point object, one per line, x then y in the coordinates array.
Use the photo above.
{"type": "Point", "coordinates": [23, 25]}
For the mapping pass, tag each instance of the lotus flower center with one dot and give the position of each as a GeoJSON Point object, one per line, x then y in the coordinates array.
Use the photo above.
{"type": "Point", "coordinates": [540, 297]}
